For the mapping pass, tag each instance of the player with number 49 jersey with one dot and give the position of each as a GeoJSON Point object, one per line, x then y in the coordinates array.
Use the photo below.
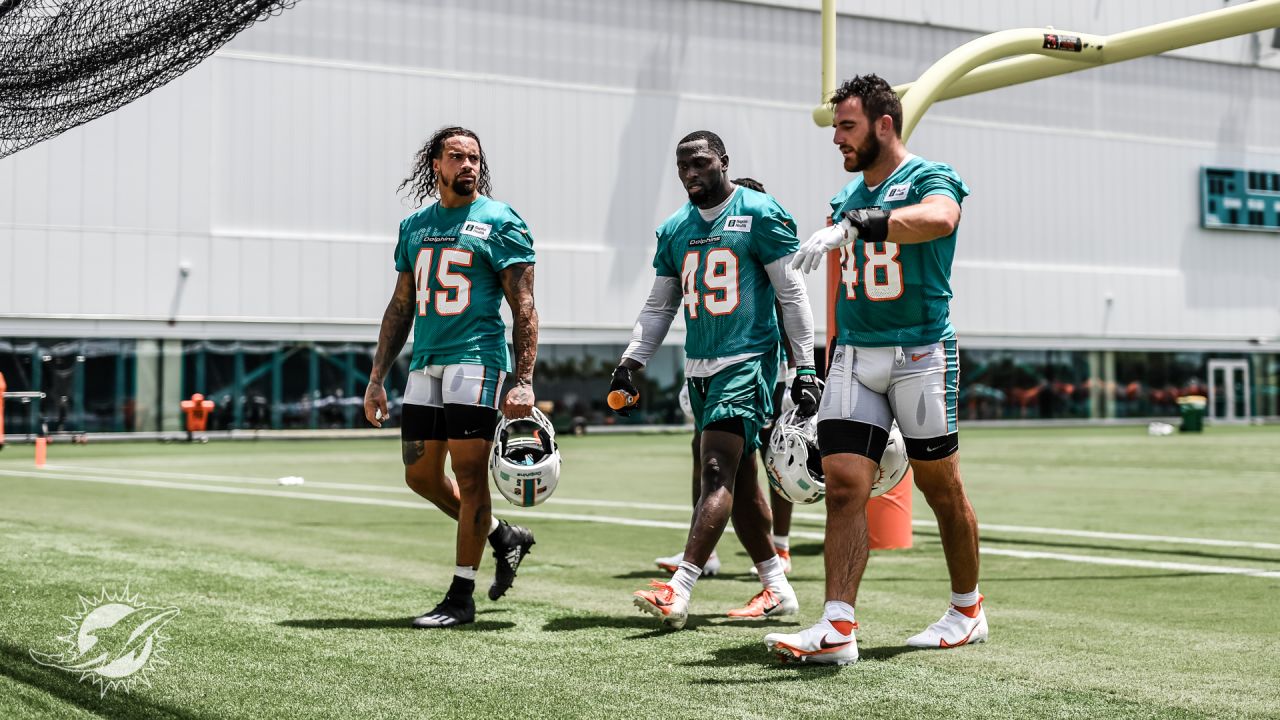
{"type": "Point", "coordinates": [723, 258]}
{"type": "Point", "coordinates": [897, 295]}
{"type": "Point", "coordinates": [456, 255]}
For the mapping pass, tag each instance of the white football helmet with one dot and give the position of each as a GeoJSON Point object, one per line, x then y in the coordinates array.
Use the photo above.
{"type": "Point", "coordinates": [686, 403]}
{"type": "Point", "coordinates": [793, 461]}
{"type": "Point", "coordinates": [525, 461]}
{"type": "Point", "coordinates": [893, 464]}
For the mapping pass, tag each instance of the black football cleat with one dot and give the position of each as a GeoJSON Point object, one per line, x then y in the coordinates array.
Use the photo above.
{"type": "Point", "coordinates": [510, 544]}
{"type": "Point", "coordinates": [449, 613]}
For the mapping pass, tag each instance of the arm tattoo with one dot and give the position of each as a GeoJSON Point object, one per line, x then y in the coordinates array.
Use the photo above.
{"type": "Point", "coordinates": [396, 322]}
{"type": "Point", "coordinates": [517, 284]}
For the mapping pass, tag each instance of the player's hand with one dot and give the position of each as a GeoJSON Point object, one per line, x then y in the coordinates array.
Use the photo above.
{"type": "Point", "coordinates": [624, 396]}
{"type": "Point", "coordinates": [806, 393]}
{"type": "Point", "coordinates": [519, 402]}
{"type": "Point", "coordinates": [809, 256]}
{"type": "Point", "coordinates": [375, 404]}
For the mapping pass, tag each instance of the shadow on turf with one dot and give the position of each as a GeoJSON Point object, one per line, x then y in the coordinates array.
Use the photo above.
{"type": "Point", "coordinates": [398, 623]}
{"type": "Point", "coordinates": [570, 623]}
{"type": "Point", "coordinates": [755, 654]}
{"type": "Point", "coordinates": [16, 664]}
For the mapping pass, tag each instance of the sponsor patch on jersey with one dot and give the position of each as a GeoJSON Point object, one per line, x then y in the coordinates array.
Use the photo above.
{"type": "Point", "coordinates": [738, 223]}
{"type": "Point", "coordinates": [476, 229]}
{"type": "Point", "coordinates": [897, 192]}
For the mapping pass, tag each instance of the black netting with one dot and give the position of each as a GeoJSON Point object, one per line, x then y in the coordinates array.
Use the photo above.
{"type": "Point", "coordinates": [66, 62]}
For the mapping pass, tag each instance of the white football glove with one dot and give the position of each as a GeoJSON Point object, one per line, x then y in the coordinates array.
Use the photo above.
{"type": "Point", "coordinates": [809, 256]}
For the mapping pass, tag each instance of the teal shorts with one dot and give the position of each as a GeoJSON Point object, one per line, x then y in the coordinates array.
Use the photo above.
{"type": "Point", "coordinates": [743, 390]}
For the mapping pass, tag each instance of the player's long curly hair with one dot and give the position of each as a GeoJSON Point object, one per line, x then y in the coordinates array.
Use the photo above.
{"type": "Point", "coordinates": [422, 181]}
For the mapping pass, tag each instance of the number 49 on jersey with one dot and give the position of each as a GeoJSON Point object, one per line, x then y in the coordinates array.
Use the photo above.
{"type": "Point", "coordinates": [718, 269]}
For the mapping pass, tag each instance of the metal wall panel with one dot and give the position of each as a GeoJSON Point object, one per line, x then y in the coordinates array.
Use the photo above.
{"type": "Point", "coordinates": [272, 169]}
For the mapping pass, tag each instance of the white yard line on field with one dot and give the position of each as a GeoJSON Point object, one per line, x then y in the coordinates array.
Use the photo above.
{"type": "Point", "coordinates": [608, 520]}
{"type": "Point", "coordinates": [625, 505]}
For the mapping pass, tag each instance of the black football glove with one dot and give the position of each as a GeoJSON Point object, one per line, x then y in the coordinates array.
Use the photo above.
{"type": "Point", "coordinates": [872, 224]}
{"type": "Point", "coordinates": [805, 392]}
{"type": "Point", "coordinates": [624, 396]}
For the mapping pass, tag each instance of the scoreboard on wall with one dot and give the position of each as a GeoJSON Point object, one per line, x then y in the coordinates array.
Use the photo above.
{"type": "Point", "coordinates": [1232, 199]}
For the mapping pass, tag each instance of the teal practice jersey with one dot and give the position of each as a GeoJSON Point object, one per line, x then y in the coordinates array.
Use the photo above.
{"type": "Point", "coordinates": [890, 294]}
{"type": "Point", "coordinates": [728, 299]}
{"type": "Point", "coordinates": [455, 255]}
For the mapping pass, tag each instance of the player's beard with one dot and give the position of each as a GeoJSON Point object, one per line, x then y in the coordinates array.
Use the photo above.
{"type": "Point", "coordinates": [865, 156]}
{"type": "Point", "coordinates": [463, 185]}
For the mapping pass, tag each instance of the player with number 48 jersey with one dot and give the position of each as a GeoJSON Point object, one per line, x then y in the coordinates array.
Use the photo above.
{"type": "Point", "coordinates": [723, 258]}
{"type": "Point", "coordinates": [895, 359]}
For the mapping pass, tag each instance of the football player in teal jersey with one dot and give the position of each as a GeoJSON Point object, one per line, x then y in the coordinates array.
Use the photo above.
{"type": "Point", "coordinates": [724, 256]}
{"type": "Point", "coordinates": [457, 259]}
{"type": "Point", "coordinates": [780, 506]}
{"type": "Point", "coordinates": [895, 358]}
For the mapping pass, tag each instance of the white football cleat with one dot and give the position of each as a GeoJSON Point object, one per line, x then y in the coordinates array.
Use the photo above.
{"type": "Point", "coordinates": [822, 643]}
{"type": "Point", "coordinates": [671, 563]}
{"type": "Point", "coordinates": [953, 630]}
{"type": "Point", "coordinates": [662, 601]}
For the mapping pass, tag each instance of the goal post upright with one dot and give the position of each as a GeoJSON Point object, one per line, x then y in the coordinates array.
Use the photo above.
{"type": "Point", "coordinates": [1002, 59]}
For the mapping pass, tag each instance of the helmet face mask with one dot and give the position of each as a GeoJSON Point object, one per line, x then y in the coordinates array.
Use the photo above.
{"type": "Point", "coordinates": [525, 460]}
{"type": "Point", "coordinates": [793, 462]}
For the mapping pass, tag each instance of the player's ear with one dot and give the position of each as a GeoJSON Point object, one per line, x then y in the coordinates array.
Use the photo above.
{"type": "Point", "coordinates": [884, 126]}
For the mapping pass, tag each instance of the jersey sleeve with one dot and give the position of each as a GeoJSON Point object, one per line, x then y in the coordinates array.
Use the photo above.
{"type": "Point", "coordinates": [940, 180]}
{"type": "Point", "coordinates": [662, 261]}
{"type": "Point", "coordinates": [838, 201]}
{"type": "Point", "coordinates": [511, 244]}
{"type": "Point", "coordinates": [774, 234]}
{"type": "Point", "coordinates": [403, 264]}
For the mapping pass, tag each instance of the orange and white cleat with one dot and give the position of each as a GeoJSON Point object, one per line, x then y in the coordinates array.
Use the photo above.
{"type": "Point", "coordinates": [769, 603]}
{"type": "Point", "coordinates": [957, 627]}
{"type": "Point", "coordinates": [822, 643]}
{"type": "Point", "coordinates": [664, 602]}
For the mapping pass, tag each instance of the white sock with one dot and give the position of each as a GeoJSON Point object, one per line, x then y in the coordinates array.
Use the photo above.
{"type": "Point", "coordinates": [836, 610]}
{"type": "Point", "coordinates": [782, 542]}
{"type": "Point", "coordinates": [493, 523]}
{"type": "Point", "coordinates": [466, 572]}
{"type": "Point", "coordinates": [686, 575]}
{"type": "Point", "coordinates": [771, 575]}
{"type": "Point", "coordinates": [968, 599]}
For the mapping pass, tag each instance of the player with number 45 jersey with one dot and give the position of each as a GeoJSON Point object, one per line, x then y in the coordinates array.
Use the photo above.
{"type": "Point", "coordinates": [723, 258]}
{"type": "Point", "coordinates": [456, 260]}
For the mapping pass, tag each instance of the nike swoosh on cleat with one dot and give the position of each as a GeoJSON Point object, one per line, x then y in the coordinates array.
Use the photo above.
{"type": "Point", "coordinates": [832, 646]}
{"type": "Point", "coordinates": [942, 642]}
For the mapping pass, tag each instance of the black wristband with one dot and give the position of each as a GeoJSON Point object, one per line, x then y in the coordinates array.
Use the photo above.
{"type": "Point", "coordinates": [872, 223]}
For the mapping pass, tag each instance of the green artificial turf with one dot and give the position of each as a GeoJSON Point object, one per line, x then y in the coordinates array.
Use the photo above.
{"type": "Point", "coordinates": [291, 607]}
